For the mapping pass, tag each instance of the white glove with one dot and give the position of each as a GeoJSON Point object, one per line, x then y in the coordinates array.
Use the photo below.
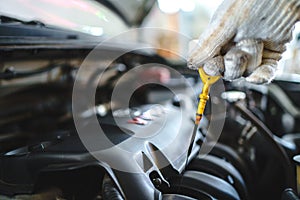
{"type": "Point", "coordinates": [246, 38]}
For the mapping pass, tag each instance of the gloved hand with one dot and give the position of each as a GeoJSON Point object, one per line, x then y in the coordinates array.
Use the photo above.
{"type": "Point", "coordinates": [246, 38]}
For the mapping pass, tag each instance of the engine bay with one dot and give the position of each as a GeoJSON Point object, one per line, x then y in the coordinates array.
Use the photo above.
{"type": "Point", "coordinates": [141, 150]}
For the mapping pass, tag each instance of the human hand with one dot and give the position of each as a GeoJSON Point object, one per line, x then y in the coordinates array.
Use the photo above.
{"type": "Point", "coordinates": [246, 38]}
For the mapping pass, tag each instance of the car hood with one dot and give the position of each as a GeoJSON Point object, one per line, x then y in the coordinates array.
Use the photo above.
{"type": "Point", "coordinates": [133, 12]}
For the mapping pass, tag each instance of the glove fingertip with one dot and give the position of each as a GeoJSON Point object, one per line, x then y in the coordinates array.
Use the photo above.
{"type": "Point", "coordinates": [214, 66]}
{"type": "Point", "coordinates": [263, 74]}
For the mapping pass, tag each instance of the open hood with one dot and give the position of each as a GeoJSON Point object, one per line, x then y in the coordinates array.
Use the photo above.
{"type": "Point", "coordinates": [132, 12]}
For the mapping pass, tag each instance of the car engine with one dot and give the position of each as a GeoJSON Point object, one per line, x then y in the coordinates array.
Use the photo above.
{"type": "Point", "coordinates": [50, 148]}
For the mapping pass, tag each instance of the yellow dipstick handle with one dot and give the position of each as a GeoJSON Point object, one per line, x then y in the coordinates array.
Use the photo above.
{"type": "Point", "coordinates": [207, 81]}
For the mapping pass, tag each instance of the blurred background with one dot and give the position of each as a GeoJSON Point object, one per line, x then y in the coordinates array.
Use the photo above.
{"type": "Point", "coordinates": [178, 17]}
{"type": "Point", "coordinates": [187, 17]}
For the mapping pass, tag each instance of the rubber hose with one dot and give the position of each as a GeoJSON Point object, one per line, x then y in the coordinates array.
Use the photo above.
{"type": "Point", "coordinates": [268, 135]}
